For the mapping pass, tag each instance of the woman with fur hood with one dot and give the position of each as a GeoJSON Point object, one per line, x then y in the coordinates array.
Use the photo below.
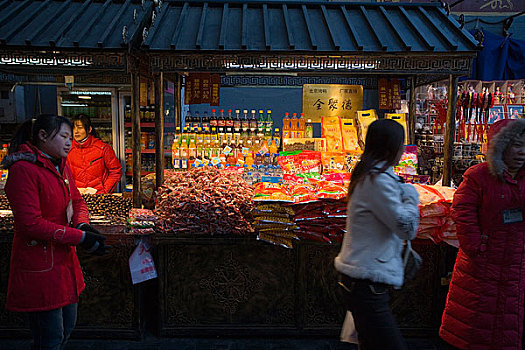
{"type": "Point", "coordinates": [485, 303]}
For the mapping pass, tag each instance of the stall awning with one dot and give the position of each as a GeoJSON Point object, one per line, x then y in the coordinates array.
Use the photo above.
{"type": "Point", "coordinates": [70, 24]}
{"type": "Point", "coordinates": [306, 27]}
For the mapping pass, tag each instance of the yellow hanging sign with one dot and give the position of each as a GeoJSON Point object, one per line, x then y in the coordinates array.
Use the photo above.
{"type": "Point", "coordinates": [329, 100]}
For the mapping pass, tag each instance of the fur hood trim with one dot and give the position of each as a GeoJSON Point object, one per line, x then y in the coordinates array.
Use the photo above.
{"type": "Point", "coordinates": [499, 144]}
{"type": "Point", "coordinates": [15, 157]}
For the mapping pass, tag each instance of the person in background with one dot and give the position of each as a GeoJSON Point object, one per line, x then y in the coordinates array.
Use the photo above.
{"type": "Point", "coordinates": [92, 161]}
{"type": "Point", "coordinates": [485, 302]}
{"type": "Point", "coordinates": [50, 219]}
{"type": "Point", "coordinates": [382, 212]}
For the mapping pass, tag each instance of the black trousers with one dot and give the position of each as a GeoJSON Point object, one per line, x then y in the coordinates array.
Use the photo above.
{"type": "Point", "coordinates": [374, 321]}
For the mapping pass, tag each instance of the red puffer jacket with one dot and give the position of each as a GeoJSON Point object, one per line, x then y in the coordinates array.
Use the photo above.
{"type": "Point", "coordinates": [485, 303]}
{"type": "Point", "coordinates": [95, 165]}
{"type": "Point", "coordinates": [44, 273]}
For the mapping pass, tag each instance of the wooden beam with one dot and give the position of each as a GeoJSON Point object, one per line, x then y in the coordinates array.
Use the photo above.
{"type": "Point", "coordinates": [382, 44]}
{"type": "Point", "coordinates": [330, 29]}
{"type": "Point", "coordinates": [291, 41]}
{"type": "Point", "coordinates": [266, 24]}
{"type": "Point", "coordinates": [353, 30]}
{"type": "Point", "coordinates": [135, 139]}
{"type": "Point", "coordinates": [396, 32]}
{"type": "Point", "coordinates": [20, 25]}
{"type": "Point", "coordinates": [44, 25]}
{"type": "Point", "coordinates": [450, 130]}
{"type": "Point", "coordinates": [159, 129]}
{"type": "Point", "coordinates": [111, 26]}
{"type": "Point", "coordinates": [178, 28]}
{"type": "Point", "coordinates": [309, 27]}
{"type": "Point", "coordinates": [54, 41]}
{"type": "Point", "coordinates": [417, 31]}
{"type": "Point", "coordinates": [224, 27]}
{"type": "Point", "coordinates": [198, 42]}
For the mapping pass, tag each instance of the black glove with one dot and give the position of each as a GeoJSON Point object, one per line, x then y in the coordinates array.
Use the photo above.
{"type": "Point", "coordinates": [87, 227]}
{"type": "Point", "coordinates": [94, 243]}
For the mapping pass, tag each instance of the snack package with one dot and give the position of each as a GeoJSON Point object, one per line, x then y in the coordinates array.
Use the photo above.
{"type": "Point", "coordinates": [302, 193]}
{"type": "Point", "coordinates": [402, 119]}
{"type": "Point", "coordinates": [408, 162]}
{"type": "Point", "coordinates": [333, 162]}
{"type": "Point", "coordinates": [272, 239]}
{"type": "Point", "coordinates": [266, 191]}
{"type": "Point", "coordinates": [330, 190]}
{"type": "Point", "coordinates": [337, 177]}
{"type": "Point", "coordinates": [270, 208]}
{"type": "Point", "coordinates": [309, 162]}
{"type": "Point", "coordinates": [350, 139]}
{"type": "Point", "coordinates": [364, 119]}
{"type": "Point", "coordinates": [332, 131]}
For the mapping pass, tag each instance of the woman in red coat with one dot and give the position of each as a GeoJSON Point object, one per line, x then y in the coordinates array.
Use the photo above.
{"type": "Point", "coordinates": [51, 218]}
{"type": "Point", "coordinates": [92, 161]}
{"type": "Point", "coordinates": [485, 303]}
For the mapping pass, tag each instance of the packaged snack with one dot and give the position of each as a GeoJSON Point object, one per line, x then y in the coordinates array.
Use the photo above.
{"type": "Point", "coordinates": [364, 119]}
{"type": "Point", "coordinates": [283, 242]}
{"type": "Point", "coordinates": [302, 193]}
{"type": "Point", "coordinates": [266, 191]}
{"type": "Point", "coordinates": [268, 208]}
{"type": "Point", "coordinates": [291, 179]}
{"type": "Point", "coordinates": [330, 190]}
{"type": "Point", "coordinates": [336, 177]}
{"type": "Point", "coordinates": [273, 220]}
{"type": "Point", "coordinates": [332, 131]}
{"type": "Point", "coordinates": [402, 119]}
{"type": "Point", "coordinates": [333, 162]}
{"type": "Point", "coordinates": [408, 162]}
{"type": "Point", "coordinates": [309, 162]}
{"type": "Point", "coordinates": [350, 139]}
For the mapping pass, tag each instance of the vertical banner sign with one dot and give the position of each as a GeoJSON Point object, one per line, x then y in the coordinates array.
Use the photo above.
{"type": "Point", "coordinates": [215, 90]}
{"type": "Point", "coordinates": [327, 100]}
{"type": "Point", "coordinates": [382, 87]}
{"type": "Point", "coordinates": [389, 94]}
{"type": "Point", "coordinates": [396, 94]}
{"type": "Point", "coordinates": [188, 88]}
{"type": "Point", "coordinates": [206, 88]}
{"type": "Point", "coordinates": [196, 95]}
{"type": "Point", "coordinates": [143, 93]}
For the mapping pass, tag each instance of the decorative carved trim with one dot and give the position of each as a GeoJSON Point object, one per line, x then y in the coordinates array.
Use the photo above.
{"type": "Point", "coordinates": [286, 80]}
{"type": "Point", "coordinates": [98, 60]}
{"type": "Point", "coordinates": [319, 64]}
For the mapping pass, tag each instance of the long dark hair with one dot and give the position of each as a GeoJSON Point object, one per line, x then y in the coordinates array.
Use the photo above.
{"type": "Point", "coordinates": [28, 131]}
{"type": "Point", "coordinates": [383, 140]}
{"type": "Point", "coordinates": [86, 122]}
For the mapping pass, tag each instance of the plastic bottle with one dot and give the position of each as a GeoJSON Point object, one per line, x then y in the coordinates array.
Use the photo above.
{"type": "Point", "coordinates": [221, 123]}
{"type": "Point", "coordinates": [273, 147]}
{"type": "Point", "coordinates": [229, 123]}
{"type": "Point", "coordinates": [268, 125]}
{"type": "Point", "coordinates": [293, 125]}
{"type": "Point", "coordinates": [196, 120]}
{"type": "Point", "coordinates": [277, 138]}
{"type": "Point", "coordinates": [309, 129]}
{"type": "Point", "coordinates": [301, 122]}
{"type": "Point", "coordinates": [237, 122]}
{"type": "Point", "coordinates": [245, 123]}
{"type": "Point", "coordinates": [213, 120]}
{"type": "Point", "coordinates": [286, 126]}
{"type": "Point", "coordinates": [253, 122]}
{"type": "Point", "coordinates": [248, 160]}
{"type": "Point", "coordinates": [205, 122]}
{"type": "Point", "coordinates": [261, 124]}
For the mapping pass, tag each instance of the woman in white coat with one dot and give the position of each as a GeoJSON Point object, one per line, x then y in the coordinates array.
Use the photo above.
{"type": "Point", "coordinates": [382, 212]}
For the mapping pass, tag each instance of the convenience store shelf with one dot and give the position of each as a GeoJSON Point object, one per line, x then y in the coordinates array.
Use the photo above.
{"type": "Point", "coordinates": [149, 125]}
{"type": "Point", "coordinates": [149, 151]}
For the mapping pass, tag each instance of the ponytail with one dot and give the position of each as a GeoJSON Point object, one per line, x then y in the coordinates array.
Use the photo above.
{"type": "Point", "coordinates": [28, 131]}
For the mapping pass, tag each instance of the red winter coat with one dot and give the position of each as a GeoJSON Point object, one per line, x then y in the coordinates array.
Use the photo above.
{"type": "Point", "coordinates": [44, 273]}
{"type": "Point", "coordinates": [95, 165]}
{"type": "Point", "coordinates": [484, 308]}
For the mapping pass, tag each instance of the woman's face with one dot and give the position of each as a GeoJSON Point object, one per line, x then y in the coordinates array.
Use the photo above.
{"type": "Point", "coordinates": [58, 145]}
{"type": "Point", "coordinates": [79, 131]}
{"type": "Point", "coordinates": [514, 155]}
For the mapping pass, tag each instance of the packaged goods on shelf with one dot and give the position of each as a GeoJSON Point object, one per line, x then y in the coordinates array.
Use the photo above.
{"type": "Point", "coordinates": [304, 144]}
{"type": "Point", "coordinates": [114, 208]}
{"type": "Point", "coordinates": [206, 201]}
{"type": "Point", "coordinates": [332, 131]}
{"type": "Point", "coordinates": [363, 120]}
{"type": "Point", "coordinates": [402, 119]}
{"type": "Point", "coordinates": [141, 222]}
{"type": "Point", "coordinates": [350, 139]}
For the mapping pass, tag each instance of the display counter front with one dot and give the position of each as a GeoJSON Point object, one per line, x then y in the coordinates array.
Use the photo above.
{"type": "Point", "coordinates": [238, 286]}
{"type": "Point", "coordinates": [109, 307]}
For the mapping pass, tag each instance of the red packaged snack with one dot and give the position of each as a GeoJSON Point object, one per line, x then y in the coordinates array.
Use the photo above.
{"type": "Point", "coordinates": [330, 190]}
{"type": "Point", "coordinates": [302, 193]}
{"type": "Point", "coordinates": [266, 191]}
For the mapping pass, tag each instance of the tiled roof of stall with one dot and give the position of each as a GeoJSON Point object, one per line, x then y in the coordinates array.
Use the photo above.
{"type": "Point", "coordinates": [255, 26]}
{"type": "Point", "coordinates": [85, 24]}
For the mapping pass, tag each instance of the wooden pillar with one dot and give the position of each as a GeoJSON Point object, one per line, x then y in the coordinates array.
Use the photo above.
{"type": "Point", "coordinates": [450, 129]}
{"type": "Point", "coordinates": [178, 102]}
{"type": "Point", "coordinates": [412, 111]}
{"type": "Point", "coordinates": [159, 129]}
{"type": "Point", "coordinates": [135, 140]}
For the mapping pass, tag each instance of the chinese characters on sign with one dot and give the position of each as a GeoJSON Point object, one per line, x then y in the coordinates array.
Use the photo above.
{"type": "Point", "coordinates": [331, 100]}
{"type": "Point", "coordinates": [389, 94]}
{"type": "Point", "coordinates": [202, 88]}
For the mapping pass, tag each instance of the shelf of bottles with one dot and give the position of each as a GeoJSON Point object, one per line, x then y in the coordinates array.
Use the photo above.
{"type": "Point", "coordinates": [243, 139]}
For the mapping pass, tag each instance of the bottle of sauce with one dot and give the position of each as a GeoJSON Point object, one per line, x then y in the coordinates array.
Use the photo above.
{"type": "Point", "coordinates": [277, 138]}
{"type": "Point", "coordinates": [309, 129]}
{"type": "Point", "coordinates": [286, 126]}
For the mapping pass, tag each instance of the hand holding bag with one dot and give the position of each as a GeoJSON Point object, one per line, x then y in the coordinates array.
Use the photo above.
{"type": "Point", "coordinates": [412, 262]}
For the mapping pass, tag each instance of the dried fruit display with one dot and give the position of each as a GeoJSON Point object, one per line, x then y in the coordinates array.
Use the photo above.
{"type": "Point", "coordinates": [4, 203]}
{"type": "Point", "coordinates": [112, 207]}
{"type": "Point", "coordinates": [204, 201]}
{"type": "Point", "coordinates": [6, 222]}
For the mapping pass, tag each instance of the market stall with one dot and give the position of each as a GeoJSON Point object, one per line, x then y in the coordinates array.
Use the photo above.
{"type": "Point", "coordinates": [213, 274]}
{"type": "Point", "coordinates": [222, 268]}
{"type": "Point", "coordinates": [80, 49]}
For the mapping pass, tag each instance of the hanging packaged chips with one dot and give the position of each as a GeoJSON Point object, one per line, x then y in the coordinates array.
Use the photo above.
{"type": "Point", "coordinates": [402, 119]}
{"type": "Point", "coordinates": [332, 131]}
{"type": "Point", "coordinates": [364, 119]}
{"type": "Point", "coordinates": [350, 139]}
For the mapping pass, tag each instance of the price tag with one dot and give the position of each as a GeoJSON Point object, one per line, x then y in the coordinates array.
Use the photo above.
{"type": "Point", "coordinates": [263, 150]}
{"type": "Point", "coordinates": [198, 162]}
{"type": "Point", "coordinates": [227, 150]}
{"type": "Point", "coordinates": [215, 161]}
{"type": "Point", "coordinates": [245, 151]}
{"type": "Point", "coordinates": [206, 161]}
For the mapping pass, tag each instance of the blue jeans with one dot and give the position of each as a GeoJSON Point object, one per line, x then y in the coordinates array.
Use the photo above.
{"type": "Point", "coordinates": [373, 318]}
{"type": "Point", "coordinates": [51, 329]}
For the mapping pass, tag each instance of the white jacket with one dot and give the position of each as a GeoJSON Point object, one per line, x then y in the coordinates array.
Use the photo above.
{"type": "Point", "coordinates": [382, 212]}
